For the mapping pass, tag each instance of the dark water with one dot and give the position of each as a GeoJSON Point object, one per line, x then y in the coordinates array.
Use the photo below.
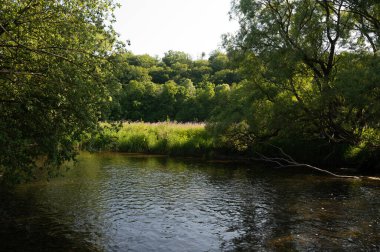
{"type": "Point", "coordinates": [114, 202]}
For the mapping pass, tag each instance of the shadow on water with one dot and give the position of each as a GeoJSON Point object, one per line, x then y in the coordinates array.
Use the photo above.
{"type": "Point", "coordinates": [115, 202]}
{"type": "Point", "coordinates": [26, 227]}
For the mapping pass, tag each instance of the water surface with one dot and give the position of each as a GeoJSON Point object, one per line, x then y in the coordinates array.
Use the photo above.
{"type": "Point", "coordinates": [116, 202]}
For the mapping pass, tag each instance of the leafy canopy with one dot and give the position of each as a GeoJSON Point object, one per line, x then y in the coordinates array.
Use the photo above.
{"type": "Point", "coordinates": [54, 79]}
{"type": "Point", "coordinates": [312, 71]}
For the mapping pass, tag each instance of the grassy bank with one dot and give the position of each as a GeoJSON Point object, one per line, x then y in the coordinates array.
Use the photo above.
{"type": "Point", "coordinates": [157, 138]}
{"type": "Point", "coordinates": [193, 139]}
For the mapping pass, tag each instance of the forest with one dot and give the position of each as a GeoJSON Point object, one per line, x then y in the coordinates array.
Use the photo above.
{"type": "Point", "coordinates": [299, 76]}
{"type": "Point", "coordinates": [174, 88]}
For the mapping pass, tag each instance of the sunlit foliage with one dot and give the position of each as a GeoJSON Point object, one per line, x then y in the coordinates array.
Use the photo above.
{"type": "Point", "coordinates": [54, 79]}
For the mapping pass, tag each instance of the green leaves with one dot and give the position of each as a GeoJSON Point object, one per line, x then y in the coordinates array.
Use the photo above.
{"type": "Point", "coordinates": [174, 87]}
{"type": "Point", "coordinates": [54, 79]}
{"type": "Point", "coordinates": [312, 72]}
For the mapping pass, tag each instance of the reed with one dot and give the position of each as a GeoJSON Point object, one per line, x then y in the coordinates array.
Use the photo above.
{"type": "Point", "coordinates": [156, 138]}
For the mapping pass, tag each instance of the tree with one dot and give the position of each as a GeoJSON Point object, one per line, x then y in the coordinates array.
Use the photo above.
{"type": "Point", "coordinates": [226, 76]}
{"type": "Point", "coordinates": [172, 57]}
{"type": "Point", "coordinates": [299, 51]}
{"type": "Point", "coordinates": [168, 100]}
{"type": "Point", "coordinates": [218, 61]}
{"type": "Point", "coordinates": [144, 60]}
{"type": "Point", "coordinates": [204, 101]}
{"type": "Point", "coordinates": [200, 71]}
{"type": "Point", "coordinates": [311, 69]}
{"type": "Point", "coordinates": [54, 79]}
{"type": "Point", "coordinates": [185, 95]}
{"type": "Point", "coordinates": [160, 74]}
{"type": "Point", "coordinates": [367, 17]}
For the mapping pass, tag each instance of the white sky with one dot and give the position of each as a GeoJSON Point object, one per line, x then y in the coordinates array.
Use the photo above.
{"type": "Point", "coordinates": [157, 26]}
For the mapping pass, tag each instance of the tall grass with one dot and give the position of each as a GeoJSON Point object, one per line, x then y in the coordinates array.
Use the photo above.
{"type": "Point", "coordinates": [156, 138]}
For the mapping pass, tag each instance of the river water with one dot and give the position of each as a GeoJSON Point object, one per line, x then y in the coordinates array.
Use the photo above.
{"type": "Point", "coordinates": [116, 202]}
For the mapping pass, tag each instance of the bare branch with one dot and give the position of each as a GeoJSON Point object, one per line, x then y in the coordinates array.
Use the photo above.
{"type": "Point", "coordinates": [288, 161]}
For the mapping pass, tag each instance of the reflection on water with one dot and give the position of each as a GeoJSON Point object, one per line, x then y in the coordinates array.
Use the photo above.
{"type": "Point", "coordinates": [115, 202]}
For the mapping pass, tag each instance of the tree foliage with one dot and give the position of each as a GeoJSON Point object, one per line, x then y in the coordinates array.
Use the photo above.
{"type": "Point", "coordinates": [174, 87]}
{"type": "Point", "coordinates": [54, 79]}
{"type": "Point", "coordinates": [301, 71]}
{"type": "Point", "coordinates": [312, 72]}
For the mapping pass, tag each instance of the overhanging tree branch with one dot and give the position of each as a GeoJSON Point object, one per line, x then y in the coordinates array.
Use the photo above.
{"type": "Point", "coordinates": [285, 160]}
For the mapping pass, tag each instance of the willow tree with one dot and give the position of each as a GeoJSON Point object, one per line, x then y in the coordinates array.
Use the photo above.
{"type": "Point", "coordinates": [313, 68]}
{"type": "Point", "coordinates": [54, 79]}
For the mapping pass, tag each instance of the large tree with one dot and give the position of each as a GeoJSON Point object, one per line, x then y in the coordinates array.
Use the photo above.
{"type": "Point", "coordinates": [312, 69]}
{"type": "Point", "coordinates": [299, 52]}
{"type": "Point", "coordinates": [54, 79]}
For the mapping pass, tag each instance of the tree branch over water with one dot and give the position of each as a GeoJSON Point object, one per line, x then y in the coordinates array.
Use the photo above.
{"type": "Point", "coordinates": [287, 161]}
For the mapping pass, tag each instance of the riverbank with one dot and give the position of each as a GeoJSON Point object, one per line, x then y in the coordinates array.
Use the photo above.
{"type": "Point", "coordinates": [194, 140]}
{"type": "Point", "coordinates": [169, 138]}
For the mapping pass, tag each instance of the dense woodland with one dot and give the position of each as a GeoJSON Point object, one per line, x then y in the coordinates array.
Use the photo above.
{"type": "Point", "coordinates": [302, 75]}
{"type": "Point", "coordinates": [173, 88]}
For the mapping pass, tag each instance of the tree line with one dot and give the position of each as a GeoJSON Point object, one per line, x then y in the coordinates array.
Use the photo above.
{"type": "Point", "coordinates": [303, 75]}
{"type": "Point", "coordinates": [173, 88]}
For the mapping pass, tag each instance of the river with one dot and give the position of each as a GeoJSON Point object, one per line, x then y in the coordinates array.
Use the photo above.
{"type": "Point", "coordinates": [119, 202]}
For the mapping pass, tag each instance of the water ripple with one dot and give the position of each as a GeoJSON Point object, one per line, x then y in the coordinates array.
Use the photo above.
{"type": "Point", "coordinates": [123, 203]}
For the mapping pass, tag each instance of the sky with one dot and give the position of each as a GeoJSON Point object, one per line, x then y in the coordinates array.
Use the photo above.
{"type": "Point", "coordinates": [157, 26]}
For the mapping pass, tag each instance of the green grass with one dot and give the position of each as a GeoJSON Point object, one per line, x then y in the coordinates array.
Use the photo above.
{"type": "Point", "coordinates": [157, 138]}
